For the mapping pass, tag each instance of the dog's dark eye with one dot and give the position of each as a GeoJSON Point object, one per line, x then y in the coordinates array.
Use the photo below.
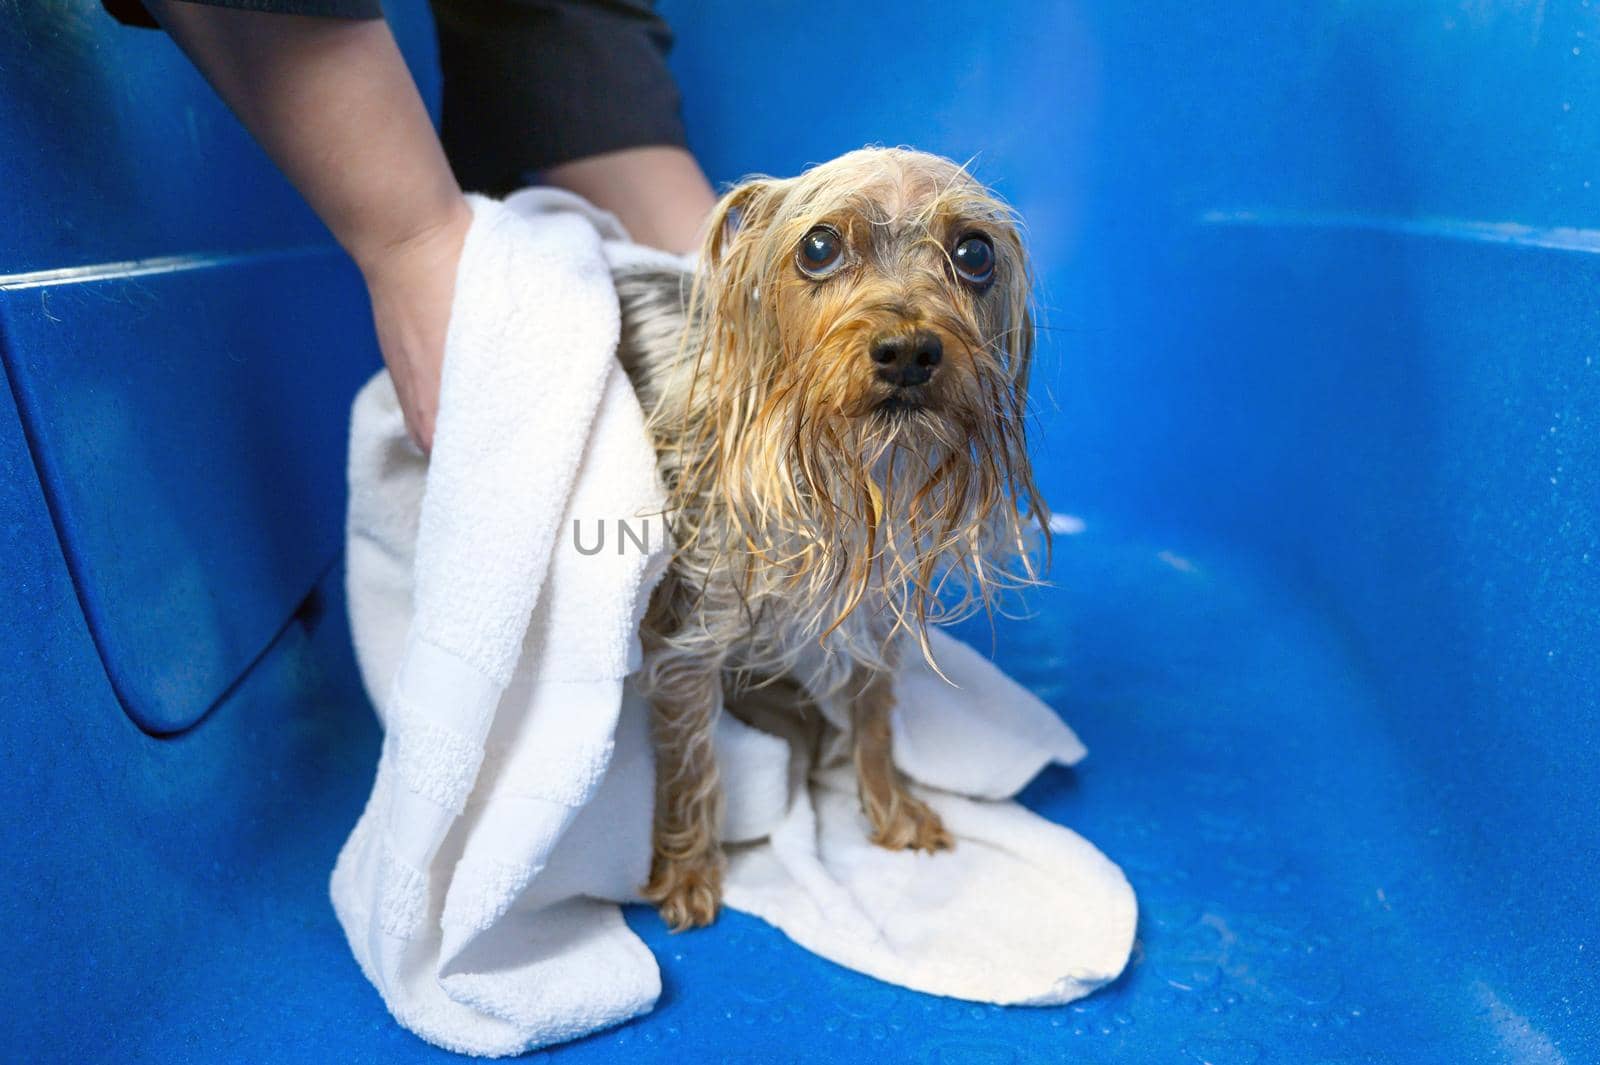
{"type": "Point", "coordinates": [974, 259]}
{"type": "Point", "coordinates": [821, 252]}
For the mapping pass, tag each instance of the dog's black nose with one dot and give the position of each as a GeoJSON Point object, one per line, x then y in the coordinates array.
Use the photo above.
{"type": "Point", "coordinates": [907, 359]}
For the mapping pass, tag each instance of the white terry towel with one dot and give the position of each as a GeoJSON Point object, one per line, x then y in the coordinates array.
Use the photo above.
{"type": "Point", "coordinates": [511, 808]}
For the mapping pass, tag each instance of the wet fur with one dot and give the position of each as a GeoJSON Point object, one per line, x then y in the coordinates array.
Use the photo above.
{"type": "Point", "coordinates": [819, 534]}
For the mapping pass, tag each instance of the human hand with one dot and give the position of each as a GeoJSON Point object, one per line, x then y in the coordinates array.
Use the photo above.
{"type": "Point", "coordinates": [411, 284]}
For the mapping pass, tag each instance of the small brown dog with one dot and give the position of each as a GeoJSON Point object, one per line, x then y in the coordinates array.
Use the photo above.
{"type": "Point", "coordinates": [837, 402]}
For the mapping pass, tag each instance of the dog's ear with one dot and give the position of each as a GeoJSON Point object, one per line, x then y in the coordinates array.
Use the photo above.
{"type": "Point", "coordinates": [743, 212]}
{"type": "Point", "coordinates": [1018, 329]}
{"type": "Point", "coordinates": [1021, 343]}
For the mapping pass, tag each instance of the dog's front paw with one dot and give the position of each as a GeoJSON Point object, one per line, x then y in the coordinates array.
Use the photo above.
{"type": "Point", "coordinates": [686, 891]}
{"type": "Point", "coordinates": [908, 823]}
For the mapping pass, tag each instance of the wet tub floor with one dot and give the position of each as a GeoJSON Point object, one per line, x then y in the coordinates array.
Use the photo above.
{"type": "Point", "coordinates": [1238, 770]}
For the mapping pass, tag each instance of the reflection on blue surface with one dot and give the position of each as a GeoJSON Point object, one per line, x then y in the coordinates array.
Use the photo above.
{"type": "Point", "coordinates": [1319, 379]}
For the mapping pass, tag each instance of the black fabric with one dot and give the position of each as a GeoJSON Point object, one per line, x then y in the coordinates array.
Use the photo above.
{"type": "Point", "coordinates": [528, 84]}
{"type": "Point", "coordinates": [133, 13]}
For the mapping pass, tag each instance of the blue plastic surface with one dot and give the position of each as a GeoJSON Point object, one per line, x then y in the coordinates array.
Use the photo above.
{"type": "Point", "coordinates": [182, 339]}
{"type": "Point", "coordinates": [1319, 375]}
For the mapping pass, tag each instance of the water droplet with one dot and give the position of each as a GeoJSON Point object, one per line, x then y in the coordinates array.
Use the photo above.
{"type": "Point", "coordinates": [962, 1052]}
{"type": "Point", "coordinates": [1223, 1052]}
{"type": "Point", "coordinates": [1309, 985]}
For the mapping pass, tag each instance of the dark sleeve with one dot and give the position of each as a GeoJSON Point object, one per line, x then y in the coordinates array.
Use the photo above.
{"type": "Point", "coordinates": [132, 12]}
{"type": "Point", "coordinates": [529, 84]}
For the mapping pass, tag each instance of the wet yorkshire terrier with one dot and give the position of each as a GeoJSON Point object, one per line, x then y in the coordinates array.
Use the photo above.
{"type": "Point", "coordinates": [836, 398]}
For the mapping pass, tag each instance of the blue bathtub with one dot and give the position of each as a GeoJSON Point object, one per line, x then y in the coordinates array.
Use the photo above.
{"type": "Point", "coordinates": [1320, 386]}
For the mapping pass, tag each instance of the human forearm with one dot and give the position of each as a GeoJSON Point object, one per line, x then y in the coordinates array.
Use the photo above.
{"type": "Point", "coordinates": [334, 106]}
{"type": "Point", "coordinates": [658, 191]}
